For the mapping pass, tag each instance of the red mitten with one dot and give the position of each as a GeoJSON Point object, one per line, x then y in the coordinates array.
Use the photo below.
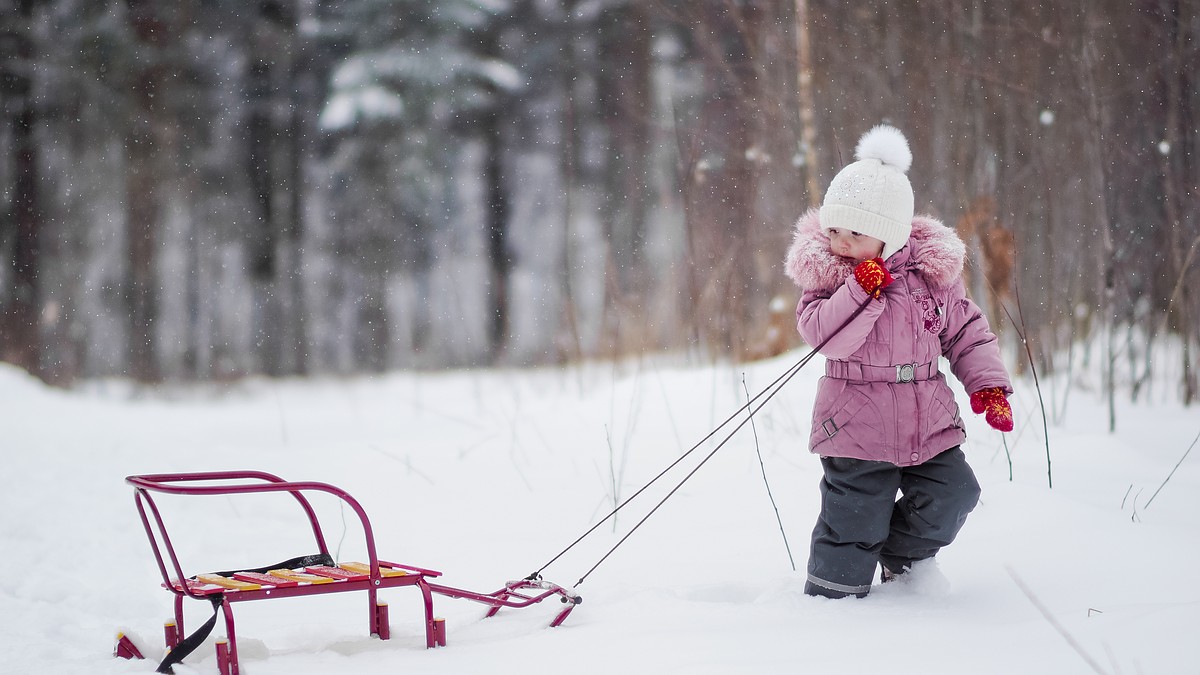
{"type": "Point", "coordinates": [995, 404]}
{"type": "Point", "coordinates": [872, 276]}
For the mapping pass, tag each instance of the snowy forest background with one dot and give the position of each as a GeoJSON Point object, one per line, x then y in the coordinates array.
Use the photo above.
{"type": "Point", "coordinates": [209, 189]}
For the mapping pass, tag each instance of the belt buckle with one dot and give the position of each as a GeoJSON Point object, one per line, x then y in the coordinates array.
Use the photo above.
{"type": "Point", "coordinates": [830, 427]}
{"type": "Point", "coordinates": [905, 373]}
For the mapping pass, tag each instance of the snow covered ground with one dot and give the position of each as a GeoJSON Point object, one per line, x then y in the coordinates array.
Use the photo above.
{"type": "Point", "coordinates": [486, 475]}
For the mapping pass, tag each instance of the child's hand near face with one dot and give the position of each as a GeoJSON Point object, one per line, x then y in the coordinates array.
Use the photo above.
{"type": "Point", "coordinates": [872, 276]}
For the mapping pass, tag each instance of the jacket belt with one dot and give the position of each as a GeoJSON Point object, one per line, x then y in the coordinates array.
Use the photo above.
{"type": "Point", "coordinates": [861, 372]}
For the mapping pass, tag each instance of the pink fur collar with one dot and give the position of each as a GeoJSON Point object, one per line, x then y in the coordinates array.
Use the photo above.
{"type": "Point", "coordinates": [933, 250]}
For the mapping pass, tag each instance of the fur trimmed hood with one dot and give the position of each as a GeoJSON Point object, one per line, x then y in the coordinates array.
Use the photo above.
{"type": "Point", "coordinates": [933, 250]}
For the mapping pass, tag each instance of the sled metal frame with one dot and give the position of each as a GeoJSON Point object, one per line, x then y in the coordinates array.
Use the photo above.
{"type": "Point", "coordinates": [514, 594]}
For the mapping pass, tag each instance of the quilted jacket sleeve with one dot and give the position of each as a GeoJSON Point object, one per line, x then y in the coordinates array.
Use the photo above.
{"type": "Point", "coordinates": [970, 346]}
{"type": "Point", "coordinates": [820, 313]}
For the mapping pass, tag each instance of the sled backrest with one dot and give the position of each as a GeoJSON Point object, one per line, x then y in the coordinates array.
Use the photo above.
{"type": "Point", "coordinates": [226, 483]}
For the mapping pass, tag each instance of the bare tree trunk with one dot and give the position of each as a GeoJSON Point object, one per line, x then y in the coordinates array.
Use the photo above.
{"type": "Point", "coordinates": [1185, 45]}
{"type": "Point", "coordinates": [262, 248]}
{"type": "Point", "coordinates": [499, 257]}
{"type": "Point", "coordinates": [725, 200]}
{"type": "Point", "coordinates": [303, 99]}
{"type": "Point", "coordinates": [739, 178]}
{"type": "Point", "coordinates": [500, 260]}
{"type": "Point", "coordinates": [808, 105]}
{"type": "Point", "coordinates": [266, 174]}
{"type": "Point", "coordinates": [1103, 269]}
{"type": "Point", "coordinates": [20, 339]}
{"type": "Point", "coordinates": [570, 346]}
{"type": "Point", "coordinates": [625, 108]}
{"type": "Point", "coordinates": [1172, 163]}
{"type": "Point", "coordinates": [276, 150]}
{"type": "Point", "coordinates": [144, 188]}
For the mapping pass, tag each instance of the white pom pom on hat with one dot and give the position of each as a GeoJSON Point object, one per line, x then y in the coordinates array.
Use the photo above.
{"type": "Point", "coordinates": [886, 144]}
{"type": "Point", "coordinates": [872, 196]}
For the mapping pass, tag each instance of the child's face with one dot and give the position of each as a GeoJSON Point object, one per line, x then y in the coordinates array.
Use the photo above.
{"type": "Point", "coordinates": [854, 245]}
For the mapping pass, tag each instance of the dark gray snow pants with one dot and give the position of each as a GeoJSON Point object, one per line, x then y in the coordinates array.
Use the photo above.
{"type": "Point", "coordinates": [862, 523]}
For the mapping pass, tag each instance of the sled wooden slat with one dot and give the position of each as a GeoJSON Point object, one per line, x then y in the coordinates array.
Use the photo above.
{"type": "Point", "coordinates": [227, 583]}
{"type": "Point", "coordinates": [265, 580]}
{"type": "Point", "coordinates": [300, 577]}
{"type": "Point", "coordinates": [339, 573]}
{"type": "Point", "coordinates": [195, 588]}
{"type": "Point", "coordinates": [363, 568]}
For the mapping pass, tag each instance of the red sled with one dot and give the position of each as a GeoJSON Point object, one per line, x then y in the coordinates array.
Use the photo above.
{"type": "Point", "coordinates": [313, 574]}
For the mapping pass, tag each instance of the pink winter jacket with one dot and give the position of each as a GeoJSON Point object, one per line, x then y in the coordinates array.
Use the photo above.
{"type": "Point", "coordinates": [884, 396]}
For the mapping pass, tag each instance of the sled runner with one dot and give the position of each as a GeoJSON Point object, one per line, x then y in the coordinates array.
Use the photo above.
{"type": "Point", "coordinates": [312, 574]}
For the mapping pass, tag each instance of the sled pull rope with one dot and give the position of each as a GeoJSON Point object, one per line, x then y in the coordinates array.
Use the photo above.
{"type": "Point", "coordinates": [791, 372]}
{"type": "Point", "coordinates": [773, 388]}
{"type": "Point", "coordinates": [538, 574]}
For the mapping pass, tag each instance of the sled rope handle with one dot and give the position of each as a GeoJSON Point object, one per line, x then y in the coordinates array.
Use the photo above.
{"type": "Point", "coordinates": [773, 388]}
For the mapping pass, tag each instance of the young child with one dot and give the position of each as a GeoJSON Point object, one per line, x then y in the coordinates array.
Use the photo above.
{"type": "Point", "coordinates": [885, 421]}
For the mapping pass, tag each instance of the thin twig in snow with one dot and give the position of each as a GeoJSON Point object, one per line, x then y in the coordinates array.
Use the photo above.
{"type": "Point", "coordinates": [612, 474]}
{"type": "Point", "coordinates": [667, 402]}
{"type": "Point", "coordinates": [1008, 456]}
{"type": "Point", "coordinates": [1185, 454]}
{"type": "Point", "coordinates": [762, 466]}
{"type": "Point", "coordinates": [1021, 333]}
{"type": "Point", "coordinates": [1053, 622]}
{"type": "Point", "coordinates": [1036, 384]}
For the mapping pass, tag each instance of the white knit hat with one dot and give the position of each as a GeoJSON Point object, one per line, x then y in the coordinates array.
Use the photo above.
{"type": "Point", "coordinates": [872, 196]}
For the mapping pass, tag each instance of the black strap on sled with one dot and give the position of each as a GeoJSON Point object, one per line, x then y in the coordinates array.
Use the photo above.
{"type": "Point", "coordinates": [303, 561]}
{"type": "Point", "coordinates": [189, 644]}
